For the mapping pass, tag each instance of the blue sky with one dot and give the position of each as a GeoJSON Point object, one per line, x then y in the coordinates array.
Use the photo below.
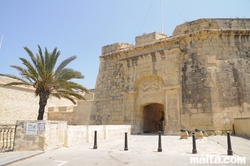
{"type": "Point", "coordinates": [83, 27]}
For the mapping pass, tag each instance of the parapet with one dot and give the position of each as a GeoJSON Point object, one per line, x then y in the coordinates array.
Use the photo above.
{"type": "Point", "coordinates": [115, 47]}
{"type": "Point", "coordinates": [139, 40]}
{"type": "Point", "coordinates": [212, 24]}
{"type": "Point", "coordinates": [148, 38]}
{"type": "Point", "coordinates": [186, 28]}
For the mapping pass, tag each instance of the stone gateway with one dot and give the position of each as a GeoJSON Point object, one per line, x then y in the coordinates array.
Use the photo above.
{"type": "Point", "coordinates": [197, 78]}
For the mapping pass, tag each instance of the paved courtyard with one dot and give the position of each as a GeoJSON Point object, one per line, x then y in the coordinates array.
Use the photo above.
{"type": "Point", "coordinates": [142, 150]}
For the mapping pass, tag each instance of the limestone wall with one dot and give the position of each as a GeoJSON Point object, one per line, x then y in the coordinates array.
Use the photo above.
{"type": "Point", "coordinates": [115, 47]}
{"type": "Point", "coordinates": [149, 38]}
{"type": "Point", "coordinates": [74, 115]}
{"type": "Point", "coordinates": [112, 131]}
{"type": "Point", "coordinates": [17, 104]}
{"type": "Point", "coordinates": [242, 126]}
{"type": "Point", "coordinates": [215, 79]}
{"type": "Point", "coordinates": [200, 75]}
{"type": "Point", "coordinates": [132, 78]}
{"type": "Point", "coordinates": [48, 135]}
{"type": "Point", "coordinates": [212, 24]}
{"type": "Point", "coordinates": [20, 103]}
{"type": "Point", "coordinates": [39, 135]}
{"type": "Point", "coordinates": [77, 135]}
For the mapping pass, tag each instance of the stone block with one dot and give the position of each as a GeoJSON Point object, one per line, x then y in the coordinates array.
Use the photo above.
{"type": "Point", "coordinates": [241, 126]}
{"type": "Point", "coordinates": [189, 133]}
{"type": "Point", "coordinates": [147, 38]}
{"type": "Point", "coordinates": [198, 135]}
{"type": "Point", "coordinates": [205, 134]}
{"type": "Point", "coordinates": [184, 135]}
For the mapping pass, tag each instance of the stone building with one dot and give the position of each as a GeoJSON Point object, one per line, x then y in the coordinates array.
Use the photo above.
{"type": "Point", "coordinates": [197, 78]}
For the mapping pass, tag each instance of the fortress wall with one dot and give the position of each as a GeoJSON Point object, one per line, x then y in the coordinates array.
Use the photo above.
{"type": "Point", "coordinates": [212, 24]}
{"type": "Point", "coordinates": [215, 79]}
{"type": "Point", "coordinates": [208, 58]}
{"type": "Point", "coordinates": [75, 115]}
{"type": "Point", "coordinates": [17, 105]}
{"type": "Point", "coordinates": [119, 73]}
{"type": "Point", "coordinates": [20, 103]}
{"type": "Point", "coordinates": [110, 80]}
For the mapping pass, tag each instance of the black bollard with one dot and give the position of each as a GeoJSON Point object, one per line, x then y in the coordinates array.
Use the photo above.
{"type": "Point", "coordinates": [194, 151]}
{"type": "Point", "coordinates": [229, 147]}
{"type": "Point", "coordinates": [95, 140]}
{"type": "Point", "coordinates": [126, 142]}
{"type": "Point", "coordinates": [159, 143]}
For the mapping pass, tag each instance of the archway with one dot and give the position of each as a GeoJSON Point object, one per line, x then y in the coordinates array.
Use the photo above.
{"type": "Point", "coordinates": [153, 118]}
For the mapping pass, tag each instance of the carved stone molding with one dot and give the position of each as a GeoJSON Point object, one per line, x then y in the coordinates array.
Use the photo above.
{"type": "Point", "coordinates": [172, 87]}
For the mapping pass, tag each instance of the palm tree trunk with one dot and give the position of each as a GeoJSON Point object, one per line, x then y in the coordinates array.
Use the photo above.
{"type": "Point", "coordinates": [42, 103]}
{"type": "Point", "coordinates": [41, 112]}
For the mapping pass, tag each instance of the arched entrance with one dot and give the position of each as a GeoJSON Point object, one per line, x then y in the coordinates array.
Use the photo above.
{"type": "Point", "coordinates": [153, 118]}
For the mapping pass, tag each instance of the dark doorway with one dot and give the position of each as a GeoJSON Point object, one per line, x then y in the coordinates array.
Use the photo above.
{"type": "Point", "coordinates": [153, 118]}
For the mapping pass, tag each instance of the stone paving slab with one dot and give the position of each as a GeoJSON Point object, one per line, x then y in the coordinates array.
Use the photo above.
{"type": "Point", "coordinates": [10, 157]}
{"type": "Point", "coordinates": [142, 150]}
{"type": "Point", "coordinates": [240, 145]}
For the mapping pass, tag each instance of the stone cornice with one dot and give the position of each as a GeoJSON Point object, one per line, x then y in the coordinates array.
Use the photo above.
{"type": "Point", "coordinates": [173, 41]}
{"type": "Point", "coordinates": [145, 53]}
{"type": "Point", "coordinates": [172, 87]}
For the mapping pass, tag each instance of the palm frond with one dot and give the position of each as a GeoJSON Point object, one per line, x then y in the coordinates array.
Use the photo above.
{"type": "Point", "coordinates": [17, 83]}
{"type": "Point", "coordinates": [47, 60]}
{"type": "Point", "coordinates": [68, 74]}
{"type": "Point", "coordinates": [40, 67]}
{"type": "Point", "coordinates": [73, 86]}
{"type": "Point", "coordinates": [65, 63]}
{"type": "Point", "coordinates": [31, 69]}
{"type": "Point", "coordinates": [32, 57]}
{"type": "Point", "coordinates": [57, 95]}
{"type": "Point", "coordinates": [24, 73]}
{"type": "Point", "coordinates": [52, 60]}
{"type": "Point", "coordinates": [69, 98]}
{"type": "Point", "coordinates": [40, 50]}
{"type": "Point", "coordinates": [71, 93]}
{"type": "Point", "coordinates": [42, 58]}
{"type": "Point", "coordinates": [21, 81]}
{"type": "Point", "coordinates": [40, 73]}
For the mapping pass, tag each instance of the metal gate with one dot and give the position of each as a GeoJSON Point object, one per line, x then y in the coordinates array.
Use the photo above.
{"type": "Point", "coordinates": [7, 138]}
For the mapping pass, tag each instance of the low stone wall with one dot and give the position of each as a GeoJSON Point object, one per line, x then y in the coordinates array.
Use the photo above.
{"type": "Point", "coordinates": [75, 135]}
{"type": "Point", "coordinates": [80, 134]}
{"type": "Point", "coordinates": [116, 130]}
{"type": "Point", "coordinates": [39, 135]}
{"type": "Point", "coordinates": [242, 126]}
{"type": "Point", "coordinates": [47, 135]}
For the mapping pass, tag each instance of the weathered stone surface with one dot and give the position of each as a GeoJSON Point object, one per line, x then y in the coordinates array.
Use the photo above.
{"type": "Point", "coordinates": [184, 135]}
{"type": "Point", "coordinates": [242, 126]}
{"type": "Point", "coordinates": [198, 135]}
{"type": "Point", "coordinates": [48, 135]}
{"type": "Point", "coordinates": [20, 103]}
{"type": "Point", "coordinates": [197, 78]}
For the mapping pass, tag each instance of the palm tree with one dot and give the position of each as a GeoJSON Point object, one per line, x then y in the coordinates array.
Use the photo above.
{"type": "Point", "coordinates": [48, 82]}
